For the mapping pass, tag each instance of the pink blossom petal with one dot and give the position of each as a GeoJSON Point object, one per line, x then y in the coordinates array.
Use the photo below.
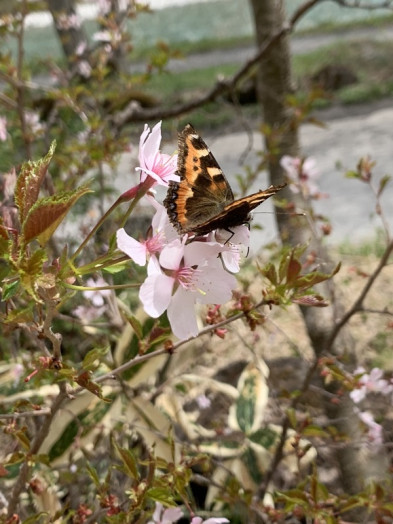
{"type": "Point", "coordinates": [181, 314]}
{"type": "Point", "coordinates": [172, 254]}
{"type": "Point", "coordinates": [149, 145]}
{"type": "Point", "coordinates": [131, 247]}
{"type": "Point", "coordinates": [171, 515]}
{"type": "Point", "coordinates": [231, 260]}
{"type": "Point", "coordinates": [155, 294]}
{"type": "Point", "coordinates": [197, 253]}
{"type": "Point", "coordinates": [216, 286]}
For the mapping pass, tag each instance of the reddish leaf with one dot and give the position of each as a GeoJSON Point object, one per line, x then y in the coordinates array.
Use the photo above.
{"type": "Point", "coordinates": [293, 269]}
{"type": "Point", "coordinates": [29, 182]}
{"type": "Point", "coordinates": [47, 214]}
{"type": "Point", "coordinates": [311, 300]}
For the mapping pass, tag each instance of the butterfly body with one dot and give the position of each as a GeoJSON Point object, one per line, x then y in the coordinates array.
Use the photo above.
{"type": "Point", "coordinates": [202, 200]}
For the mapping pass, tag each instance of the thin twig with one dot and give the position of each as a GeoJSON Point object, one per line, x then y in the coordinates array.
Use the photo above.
{"type": "Point", "coordinates": [37, 413]}
{"type": "Point", "coordinates": [358, 304]}
{"type": "Point", "coordinates": [162, 351]}
{"type": "Point", "coordinates": [36, 443]}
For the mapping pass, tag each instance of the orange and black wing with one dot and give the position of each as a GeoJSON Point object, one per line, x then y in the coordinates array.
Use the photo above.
{"type": "Point", "coordinates": [203, 191]}
{"type": "Point", "coordinates": [238, 212]}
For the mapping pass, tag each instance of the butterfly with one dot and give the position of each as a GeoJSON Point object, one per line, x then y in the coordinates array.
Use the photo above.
{"type": "Point", "coordinates": [202, 200]}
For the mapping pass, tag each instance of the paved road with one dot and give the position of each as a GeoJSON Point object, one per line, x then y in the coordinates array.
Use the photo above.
{"type": "Point", "coordinates": [336, 148]}
{"type": "Point", "coordinates": [350, 206]}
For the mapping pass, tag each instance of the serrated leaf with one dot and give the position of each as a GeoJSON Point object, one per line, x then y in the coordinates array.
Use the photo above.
{"type": "Point", "coordinates": [96, 354]}
{"type": "Point", "coordinates": [310, 280]}
{"type": "Point", "coordinates": [161, 495]}
{"type": "Point", "coordinates": [47, 213]}
{"type": "Point", "coordinates": [93, 475]}
{"type": "Point", "coordinates": [128, 459]}
{"type": "Point", "coordinates": [269, 271]}
{"type": "Point", "coordinates": [29, 182]}
{"type": "Point", "coordinates": [84, 380]}
{"type": "Point", "coordinates": [30, 269]}
{"type": "Point", "coordinates": [311, 301]}
{"type": "Point", "coordinates": [20, 315]}
{"type": "Point", "coordinates": [293, 269]}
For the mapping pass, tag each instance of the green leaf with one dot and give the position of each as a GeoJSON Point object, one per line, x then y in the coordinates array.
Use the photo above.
{"type": "Point", "coordinates": [10, 290]}
{"type": "Point", "coordinates": [264, 437]}
{"type": "Point", "coordinates": [36, 518]}
{"type": "Point", "coordinates": [251, 403]}
{"type": "Point", "coordinates": [250, 460]}
{"type": "Point", "coordinates": [93, 475]}
{"type": "Point", "coordinates": [29, 182]}
{"type": "Point", "coordinates": [383, 183]}
{"type": "Point", "coordinates": [117, 268]}
{"type": "Point", "coordinates": [90, 361]}
{"type": "Point", "coordinates": [161, 495]}
{"type": "Point", "coordinates": [47, 213]}
{"type": "Point", "coordinates": [352, 174]}
{"type": "Point", "coordinates": [136, 326]}
{"type": "Point", "coordinates": [30, 269]}
{"type": "Point", "coordinates": [269, 271]}
{"type": "Point", "coordinates": [129, 462]}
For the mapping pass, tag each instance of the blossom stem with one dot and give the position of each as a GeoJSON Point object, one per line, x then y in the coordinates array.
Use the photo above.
{"type": "Point", "coordinates": [135, 193]}
{"type": "Point", "coordinates": [100, 288]}
{"type": "Point", "coordinates": [95, 228]}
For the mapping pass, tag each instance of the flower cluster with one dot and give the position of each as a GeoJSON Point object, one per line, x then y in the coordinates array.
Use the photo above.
{"type": "Point", "coordinates": [302, 174]}
{"type": "Point", "coordinates": [371, 383]}
{"type": "Point", "coordinates": [182, 271]}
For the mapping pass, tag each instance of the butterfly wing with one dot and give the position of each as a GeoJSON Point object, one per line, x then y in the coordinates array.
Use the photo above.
{"type": "Point", "coordinates": [237, 212]}
{"type": "Point", "coordinates": [203, 191]}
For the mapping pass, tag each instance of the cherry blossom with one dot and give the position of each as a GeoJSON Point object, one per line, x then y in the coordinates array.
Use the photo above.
{"type": "Point", "coordinates": [374, 434]}
{"type": "Point", "coordinates": [183, 276]}
{"type": "Point", "coordinates": [370, 382]}
{"type": "Point", "coordinates": [165, 516]}
{"type": "Point", "coordinates": [162, 232]}
{"type": "Point", "coordinates": [302, 173]}
{"type": "Point", "coordinates": [152, 162]}
{"type": "Point", "coordinates": [97, 297]}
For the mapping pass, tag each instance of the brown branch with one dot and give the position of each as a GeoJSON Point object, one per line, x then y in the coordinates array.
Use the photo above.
{"type": "Point", "coordinates": [358, 304]}
{"type": "Point", "coordinates": [14, 416]}
{"type": "Point", "coordinates": [135, 113]}
{"type": "Point", "coordinates": [162, 351]}
{"type": "Point", "coordinates": [35, 445]}
{"type": "Point", "coordinates": [356, 307]}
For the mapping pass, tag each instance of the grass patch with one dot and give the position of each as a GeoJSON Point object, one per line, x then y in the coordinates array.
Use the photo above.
{"type": "Point", "coordinates": [368, 59]}
{"type": "Point", "coordinates": [374, 247]}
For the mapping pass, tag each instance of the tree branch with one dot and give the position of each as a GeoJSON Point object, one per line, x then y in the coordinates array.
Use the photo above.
{"type": "Point", "coordinates": [135, 113]}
